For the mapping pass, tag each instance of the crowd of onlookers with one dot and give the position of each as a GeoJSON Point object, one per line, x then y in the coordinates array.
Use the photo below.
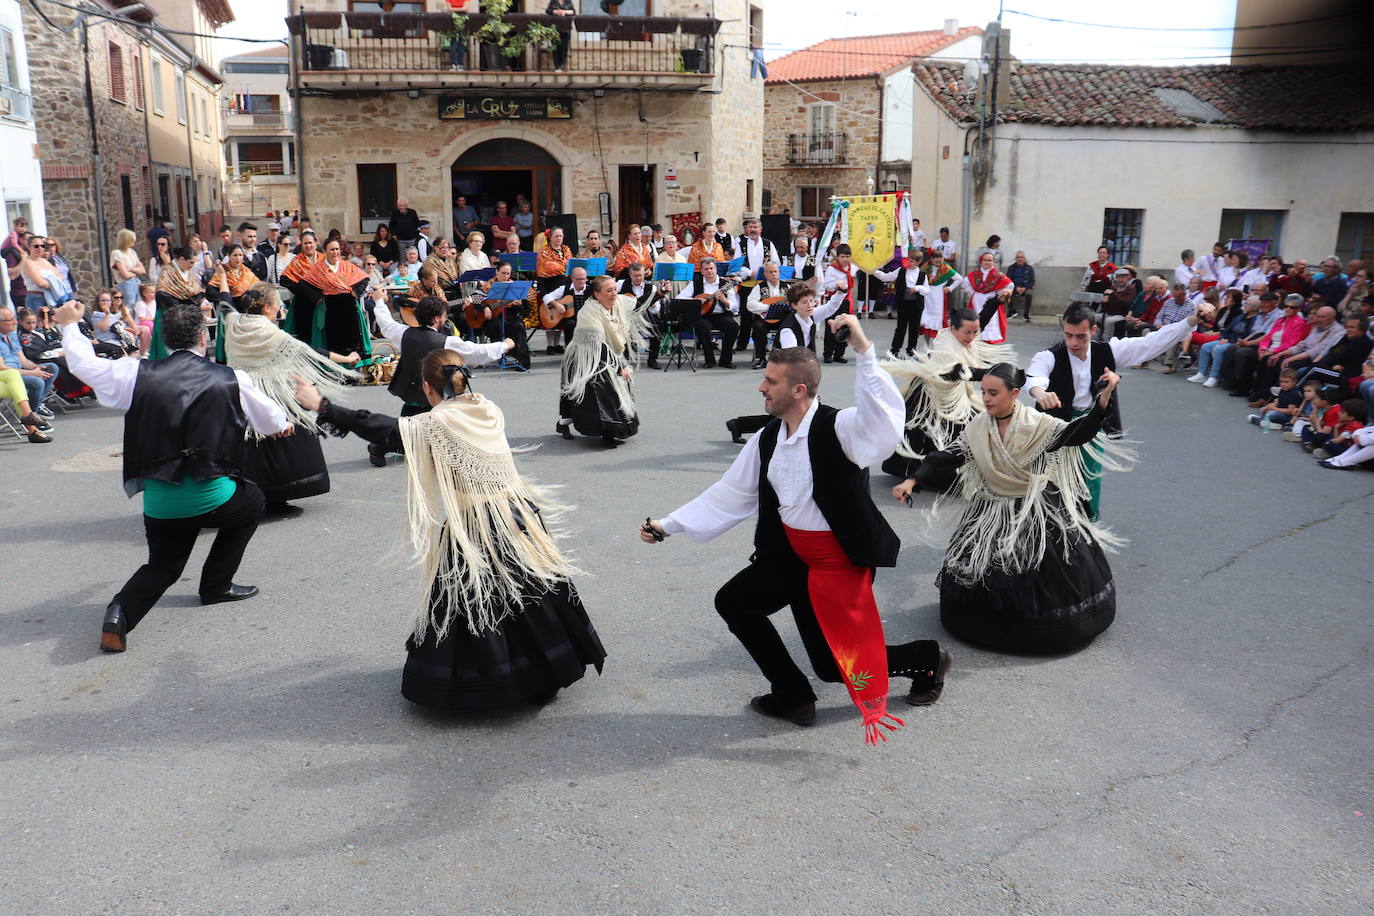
{"type": "Point", "coordinates": [1292, 340]}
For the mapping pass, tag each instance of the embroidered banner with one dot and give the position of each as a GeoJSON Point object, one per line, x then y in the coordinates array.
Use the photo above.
{"type": "Point", "coordinates": [873, 230]}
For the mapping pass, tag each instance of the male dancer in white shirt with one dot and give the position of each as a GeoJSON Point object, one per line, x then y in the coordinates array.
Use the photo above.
{"type": "Point", "coordinates": [816, 547]}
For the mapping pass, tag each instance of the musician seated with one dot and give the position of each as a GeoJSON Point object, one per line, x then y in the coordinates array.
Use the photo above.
{"type": "Point", "coordinates": [719, 311]}
{"type": "Point", "coordinates": [558, 314]}
{"type": "Point", "coordinates": [596, 248]}
{"type": "Point", "coordinates": [802, 262]}
{"type": "Point", "coordinates": [649, 300]}
{"type": "Point", "coordinates": [762, 297]}
{"type": "Point", "coordinates": [500, 319]}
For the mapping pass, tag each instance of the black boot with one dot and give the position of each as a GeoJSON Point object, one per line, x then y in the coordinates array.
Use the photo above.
{"type": "Point", "coordinates": [114, 631]}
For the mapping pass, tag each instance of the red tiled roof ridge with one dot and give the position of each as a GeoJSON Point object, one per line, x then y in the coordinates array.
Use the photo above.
{"type": "Point", "coordinates": [861, 55]}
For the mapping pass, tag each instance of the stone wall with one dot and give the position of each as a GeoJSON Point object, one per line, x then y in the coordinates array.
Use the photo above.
{"type": "Point", "coordinates": [857, 115]}
{"type": "Point", "coordinates": [64, 136]}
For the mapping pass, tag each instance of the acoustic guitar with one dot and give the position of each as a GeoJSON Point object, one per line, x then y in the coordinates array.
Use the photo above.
{"type": "Point", "coordinates": [472, 312]}
{"type": "Point", "coordinates": [771, 301]}
{"type": "Point", "coordinates": [548, 319]}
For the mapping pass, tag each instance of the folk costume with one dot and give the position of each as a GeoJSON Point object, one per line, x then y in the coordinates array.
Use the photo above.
{"type": "Point", "coordinates": [446, 271]}
{"type": "Point", "coordinates": [934, 290]}
{"type": "Point", "coordinates": [326, 308]}
{"type": "Point", "coordinates": [629, 253]}
{"type": "Point", "coordinates": [721, 316]}
{"type": "Point", "coordinates": [909, 301]}
{"type": "Point", "coordinates": [292, 467]}
{"type": "Point", "coordinates": [497, 620]}
{"type": "Point", "coordinates": [817, 541]}
{"type": "Point", "coordinates": [756, 253]}
{"type": "Point", "coordinates": [1059, 371]}
{"type": "Point", "coordinates": [594, 397]}
{"type": "Point", "coordinates": [241, 279]}
{"type": "Point", "coordinates": [706, 247]}
{"type": "Point", "coordinates": [837, 278]}
{"type": "Point", "coordinates": [174, 287]}
{"type": "Point", "coordinates": [1025, 569]}
{"type": "Point", "coordinates": [1098, 276]}
{"type": "Point", "coordinates": [941, 398]}
{"type": "Point", "coordinates": [552, 262]}
{"type": "Point", "coordinates": [414, 347]}
{"type": "Point", "coordinates": [983, 287]}
{"type": "Point", "coordinates": [183, 450]}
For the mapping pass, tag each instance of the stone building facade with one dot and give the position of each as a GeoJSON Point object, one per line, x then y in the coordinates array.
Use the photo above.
{"type": "Point", "coordinates": [633, 135]}
{"type": "Point", "coordinates": [96, 176]}
{"type": "Point", "coordinates": [839, 116]}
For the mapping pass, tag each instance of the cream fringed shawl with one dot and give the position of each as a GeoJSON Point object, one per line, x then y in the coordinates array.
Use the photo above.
{"type": "Point", "coordinates": [597, 333]}
{"type": "Point", "coordinates": [1007, 481]}
{"type": "Point", "coordinates": [475, 524]}
{"type": "Point", "coordinates": [271, 357]}
{"type": "Point", "coordinates": [944, 406]}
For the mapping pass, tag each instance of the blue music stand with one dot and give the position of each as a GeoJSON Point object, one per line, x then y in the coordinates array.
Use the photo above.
{"type": "Point", "coordinates": [478, 276]}
{"type": "Point", "coordinates": [785, 272]}
{"type": "Point", "coordinates": [595, 267]}
{"type": "Point", "coordinates": [677, 273]}
{"type": "Point", "coordinates": [732, 267]}
{"type": "Point", "coordinates": [512, 291]}
{"type": "Point", "coordinates": [524, 261]}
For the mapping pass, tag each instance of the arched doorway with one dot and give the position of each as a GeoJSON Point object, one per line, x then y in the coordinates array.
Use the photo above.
{"type": "Point", "coordinates": [505, 169]}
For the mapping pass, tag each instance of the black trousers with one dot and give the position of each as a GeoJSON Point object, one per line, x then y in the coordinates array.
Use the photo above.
{"type": "Point", "coordinates": [729, 330]}
{"type": "Point", "coordinates": [908, 322]}
{"type": "Point", "coordinates": [170, 541]}
{"type": "Point", "coordinates": [833, 348]}
{"type": "Point", "coordinates": [766, 586]}
{"type": "Point", "coordinates": [513, 328]}
{"type": "Point", "coordinates": [746, 328]}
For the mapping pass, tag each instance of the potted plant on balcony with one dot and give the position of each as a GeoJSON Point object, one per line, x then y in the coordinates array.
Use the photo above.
{"type": "Point", "coordinates": [500, 37]}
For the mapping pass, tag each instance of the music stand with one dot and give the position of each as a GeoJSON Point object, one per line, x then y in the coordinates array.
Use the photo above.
{"type": "Point", "coordinates": [477, 276]}
{"type": "Point", "coordinates": [676, 273]}
{"type": "Point", "coordinates": [679, 315]}
{"type": "Point", "coordinates": [732, 267]}
{"type": "Point", "coordinates": [778, 311]}
{"type": "Point", "coordinates": [525, 261]}
{"type": "Point", "coordinates": [595, 267]}
{"type": "Point", "coordinates": [512, 292]}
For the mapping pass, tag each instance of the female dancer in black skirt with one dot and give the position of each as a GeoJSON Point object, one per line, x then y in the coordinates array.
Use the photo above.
{"type": "Point", "coordinates": [497, 621]}
{"type": "Point", "coordinates": [1025, 569]}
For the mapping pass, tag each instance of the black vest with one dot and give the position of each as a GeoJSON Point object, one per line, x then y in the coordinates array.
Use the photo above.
{"type": "Point", "coordinates": [625, 289]}
{"type": "Point", "coordinates": [1100, 358]}
{"type": "Point", "coordinates": [416, 344]}
{"type": "Point", "coordinates": [185, 418]}
{"type": "Point", "coordinates": [804, 338]}
{"type": "Point", "coordinates": [807, 272]}
{"type": "Point", "coordinates": [840, 490]}
{"type": "Point", "coordinates": [699, 289]}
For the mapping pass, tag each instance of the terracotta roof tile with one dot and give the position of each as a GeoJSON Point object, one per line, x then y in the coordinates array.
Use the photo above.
{"type": "Point", "coordinates": [1294, 98]}
{"type": "Point", "coordinates": [866, 55]}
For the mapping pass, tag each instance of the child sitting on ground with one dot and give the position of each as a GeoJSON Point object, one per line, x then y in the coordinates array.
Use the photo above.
{"type": "Point", "coordinates": [1352, 416]}
{"type": "Point", "coordinates": [1306, 411]}
{"type": "Point", "coordinates": [1325, 418]}
{"type": "Point", "coordinates": [1284, 407]}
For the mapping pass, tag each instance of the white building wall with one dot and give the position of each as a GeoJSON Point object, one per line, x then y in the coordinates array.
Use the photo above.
{"type": "Point", "coordinates": [899, 95]}
{"type": "Point", "coordinates": [21, 178]}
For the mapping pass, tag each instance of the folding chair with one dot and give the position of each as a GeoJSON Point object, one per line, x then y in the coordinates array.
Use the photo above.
{"type": "Point", "coordinates": [10, 417]}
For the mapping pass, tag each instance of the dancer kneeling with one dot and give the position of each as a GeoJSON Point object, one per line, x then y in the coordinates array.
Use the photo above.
{"type": "Point", "coordinates": [290, 467]}
{"type": "Point", "coordinates": [596, 396]}
{"type": "Point", "coordinates": [817, 541]}
{"type": "Point", "coordinates": [497, 620]}
{"type": "Point", "coordinates": [940, 397]}
{"type": "Point", "coordinates": [1025, 569]}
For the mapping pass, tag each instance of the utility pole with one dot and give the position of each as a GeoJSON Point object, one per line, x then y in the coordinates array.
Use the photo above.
{"type": "Point", "coordinates": [990, 76]}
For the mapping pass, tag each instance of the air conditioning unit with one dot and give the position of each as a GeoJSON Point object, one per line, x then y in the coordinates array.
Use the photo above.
{"type": "Point", "coordinates": [6, 105]}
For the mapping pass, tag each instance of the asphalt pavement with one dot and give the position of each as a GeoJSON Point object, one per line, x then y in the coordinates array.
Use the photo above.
{"type": "Point", "coordinates": [1209, 754]}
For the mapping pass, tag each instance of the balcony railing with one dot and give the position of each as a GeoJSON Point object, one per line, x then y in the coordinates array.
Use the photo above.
{"type": "Point", "coordinates": [827, 148]}
{"type": "Point", "coordinates": [15, 103]}
{"type": "Point", "coordinates": [357, 50]}
{"type": "Point", "coordinates": [257, 169]}
{"type": "Point", "coordinates": [242, 119]}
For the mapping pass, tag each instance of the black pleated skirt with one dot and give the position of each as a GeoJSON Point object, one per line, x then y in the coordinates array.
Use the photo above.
{"type": "Point", "coordinates": [599, 413]}
{"type": "Point", "coordinates": [1061, 606]}
{"type": "Point", "coordinates": [544, 646]}
{"type": "Point", "coordinates": [291, 467]}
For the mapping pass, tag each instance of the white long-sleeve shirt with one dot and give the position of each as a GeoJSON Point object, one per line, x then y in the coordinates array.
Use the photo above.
{"type": "Point", "coordinates": [1127, 351]}
{"type": "Point", "coordinates": [868, 433]}
{"type": "Point", "coordinates": [913, 276]}
{"type": "Point", "coordinates": [113, 382]}
{"type": "Point", "coordinates": [474, 354]}
{"type": "Point", "coordinates": [788, 338]}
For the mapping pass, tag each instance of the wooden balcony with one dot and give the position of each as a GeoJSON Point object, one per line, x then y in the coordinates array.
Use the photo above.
{"type": "Point", "coordinates": [340, 52]}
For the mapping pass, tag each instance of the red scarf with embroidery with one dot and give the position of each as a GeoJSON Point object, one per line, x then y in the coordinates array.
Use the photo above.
{"type": "Point", "coordinates": [994, 281]}
{"type": "Point", "coordinates": [842, 598]}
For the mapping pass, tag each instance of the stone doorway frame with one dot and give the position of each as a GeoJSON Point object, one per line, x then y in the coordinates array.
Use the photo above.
{"type": "Point", "coordinates": [567, 158]}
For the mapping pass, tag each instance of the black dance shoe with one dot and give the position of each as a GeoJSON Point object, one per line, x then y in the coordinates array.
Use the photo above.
{"type": "Point", "coordinates": [758, 364]}
{"type": "Point", "coordinates": [376, 455]}
{"type": "Point", "coordinates": [115, 629]}
{"type": "Point", "coordinates": [735, 436]}
{"type": "Point", "coordinates": [283, 510]}
{"type": "Point", "coordinates": [802, 714]}
{"type": "Point", "coordinates": [926, 687]}
{"type": "Point", "coordinates": [841, 359]}
{"type": "Point", "coordinates": [564, 430]}
{"type": "Point", "coordinates": [652, 363]}
{"type": "Point", "coordinates": [725, 364]}
{"type": "Point", "coordinates": [611, 441]}
{"type": "Point", "coordinates": [232, 593]}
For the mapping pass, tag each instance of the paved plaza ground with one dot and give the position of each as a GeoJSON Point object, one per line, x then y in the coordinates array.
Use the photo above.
{"type": "Point", "coordinates": [1211, 753]}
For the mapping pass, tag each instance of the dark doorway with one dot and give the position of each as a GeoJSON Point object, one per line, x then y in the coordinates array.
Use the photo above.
{"type": "Point", "coordinates": [505, 170]}
{"type": "Point", "coordinates": [636, 197]}
{"type": "Point", "coordinates": [126, 199]}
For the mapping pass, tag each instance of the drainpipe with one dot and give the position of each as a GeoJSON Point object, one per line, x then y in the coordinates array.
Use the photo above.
{"type": "Point", "coordinates": [968, 196]}
{"type": "Point", "coordinates": [292, 46]}
{"type": "Point", "coordinates": [102, 239]}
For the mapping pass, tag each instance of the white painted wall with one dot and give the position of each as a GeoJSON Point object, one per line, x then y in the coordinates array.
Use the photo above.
{"type": "Point", "coordinates": [898, 96]}
{"type": "Point", "coordinates": [21, 176]}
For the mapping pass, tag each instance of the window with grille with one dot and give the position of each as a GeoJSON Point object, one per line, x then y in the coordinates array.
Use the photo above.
{"type": "Point", "coordinates": [1252, 224]}
{"type": "Point", "coordinates": [814, 202]}
{"type": "Point", "coordinates": [1121, 234]}
{"type": "Point", "coordinates": [118, 88]}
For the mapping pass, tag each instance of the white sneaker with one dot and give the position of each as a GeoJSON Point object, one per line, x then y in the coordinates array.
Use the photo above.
{"type": "Point", "coordinates": [1270, 424]}
{"type": "Point", "coordinates": [1198, 377]}
{"type": "Point", "coordinates": [1210, 383]}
